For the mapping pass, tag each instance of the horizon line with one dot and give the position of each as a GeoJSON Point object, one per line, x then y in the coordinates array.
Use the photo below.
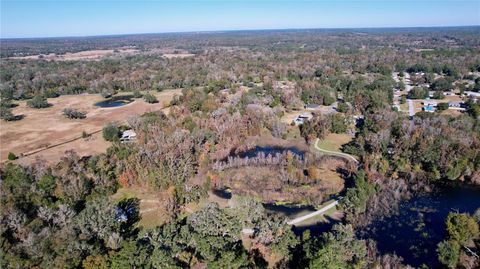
{"type": "Point", "coordinates": [239, 30]}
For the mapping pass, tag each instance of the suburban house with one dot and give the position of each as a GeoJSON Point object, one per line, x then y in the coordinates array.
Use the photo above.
{"type": "Point", "coordinates": [300, 119]}
{"type": "Point", "coordinates": [312, 106]}
{"type": "Point", "coordinates": [457, 105]}
{"type": "Point", "coordinates": [128, 135]}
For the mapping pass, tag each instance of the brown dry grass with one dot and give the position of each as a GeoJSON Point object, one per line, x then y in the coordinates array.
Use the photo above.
{"type": "Point", "coordinates": [76, 56]}
{"type": "Point", "coordinates": [178, 55]}
{"type": "Point", "coordinates": [288, 117]}
{"type": "Point", "coordinates": [152, 209]}
{"type": "Point", "coordinates": [41, 128]}
{"type": "Point", "coordinates": [264, 183]}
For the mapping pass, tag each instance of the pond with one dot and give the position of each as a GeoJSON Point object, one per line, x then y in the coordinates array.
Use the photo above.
{"type": "Point", "coordinates": [420, 225]}
{"type": "Point", "coordinates": [268, 150]}
{"type": "Point", "coordinates": [223, 193]}
{"type": "Point", "coordinates": [115, 101]}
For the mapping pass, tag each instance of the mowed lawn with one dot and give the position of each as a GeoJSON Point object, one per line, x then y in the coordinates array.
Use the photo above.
{"type": "Point", "coordinates": [334, 142]}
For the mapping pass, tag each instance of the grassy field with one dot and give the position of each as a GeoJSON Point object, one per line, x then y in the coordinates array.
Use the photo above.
{"type": "Point", "coordinates": [43, 129]}
{"type": "Point", "coordinates": [152, 210]}
{"type": "Point", "coordinates": [333, 142]}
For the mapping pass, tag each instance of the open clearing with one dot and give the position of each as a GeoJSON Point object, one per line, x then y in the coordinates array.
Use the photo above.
{"type": "Point", "coordinates": [289, 117]}
{"type": "Point", "coordinates": [455, 98]}
{"type": "Point", "coordinates": [152, 207]}
{"type": "Point", "coordinates": [44, 128]}
{"type": "Point", "coordinates": [81, 55]}
{"type": "Point", "coordinates": [334, 142]}
{"type": "Point", "coordinates": [177, 55]}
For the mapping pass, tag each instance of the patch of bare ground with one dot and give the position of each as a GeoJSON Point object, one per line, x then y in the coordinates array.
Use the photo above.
{"type": "Point", "coordinates": [76, 56]}
{"type": "Point", "coordinates": [177, 55]}
{"type": "Point", "coordinates": [48, 133]}
{"type": "Point", "coordinates": [452, 112]}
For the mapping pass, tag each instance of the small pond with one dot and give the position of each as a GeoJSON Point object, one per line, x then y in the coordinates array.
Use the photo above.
{"type": "Point", "coordinates": [415, 232]}
{"type": "Point", "coordinates": [270, 151]}
{"type": "Point", "coordinates": [115, 101]}
{"type": "Point", "coordinates": [289, 210]}
{"type": "Point", "coordinates": [223, 193]}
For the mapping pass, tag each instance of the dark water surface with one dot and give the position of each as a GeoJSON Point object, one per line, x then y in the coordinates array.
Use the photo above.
{"type": "Point", "coordinates": [289, 211]}
{"type": "Point", "coordinates": [115, 101]}
{"type": "Point", "coordinates": [270, 151]}
{"type": "Point", "coordinates": [420, 225]}
{"type": "Point", "coordinates": [223, 193]}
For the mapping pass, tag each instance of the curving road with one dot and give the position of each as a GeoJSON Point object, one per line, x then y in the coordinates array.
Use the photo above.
{"type": "Point", "coordinates": [335, 153]}
{"type": "Point", "coordinates": [335, 202]}
{"type": "Point", "coordinates": [313, 214]}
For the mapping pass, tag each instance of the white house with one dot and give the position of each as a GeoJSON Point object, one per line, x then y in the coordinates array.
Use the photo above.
{"type": "Point", "coordinates": [300, 119]}
{"type": "Point", "coordinates": [128, 135]}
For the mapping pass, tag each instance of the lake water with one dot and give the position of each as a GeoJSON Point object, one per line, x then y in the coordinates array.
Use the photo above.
{"type": "Point", "coordinates": [115, 101]}
{"type": "Point", "coordinates": [270, 151]}
{"type": "Point", "coordinates": [415, 232]}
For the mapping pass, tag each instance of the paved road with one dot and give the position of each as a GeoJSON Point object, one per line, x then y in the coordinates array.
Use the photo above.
{"type": "Point", "coordinates": [411, 109]}
{"type": "Point", "coordinates": [313, 214]}
{"type": "Point", "coordinates": [335, 153]}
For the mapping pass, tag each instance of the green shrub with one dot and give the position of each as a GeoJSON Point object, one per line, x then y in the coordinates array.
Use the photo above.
{"type": "Point", "coordinates": [418, 93]}
{"type": "Point", "coordinates": [111, 132]}
{"type": "Point", "coordinates": [6, 113]}
{"type": "Point", "coordinates": [38, 102]}
{"type": "Point", "coordinates": [85, 135]}
{"type": "Point", "coordinates": [328, 100]}
{"type": "Point", "coordinates": [342, 107]}
{"type": "Point", "coordinates": [73, 114]}
{"type": "Point", "coordinates": [137, 94]}
{"type": "Point", "coordinates": [438, 95]}
{"type": "Point", "coordinates": [338, 123]}
{"type": "Point", "coordinates": [442, 106]}
{"type": "Point", "coordinates": [150, 98]}
{"type": "Point", "coordinates": [11, 156]}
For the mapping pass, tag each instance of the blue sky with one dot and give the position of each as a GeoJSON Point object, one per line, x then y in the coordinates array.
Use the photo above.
{"type": "Point", "coordinates": [40, 18]}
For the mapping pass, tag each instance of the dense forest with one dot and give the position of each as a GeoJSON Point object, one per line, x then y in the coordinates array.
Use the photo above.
{"type": "Point", "coordinates": [236, 87]}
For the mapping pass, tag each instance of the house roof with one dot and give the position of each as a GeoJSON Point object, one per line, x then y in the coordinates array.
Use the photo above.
{"type": "Point", "coordinates": [129, 133]}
